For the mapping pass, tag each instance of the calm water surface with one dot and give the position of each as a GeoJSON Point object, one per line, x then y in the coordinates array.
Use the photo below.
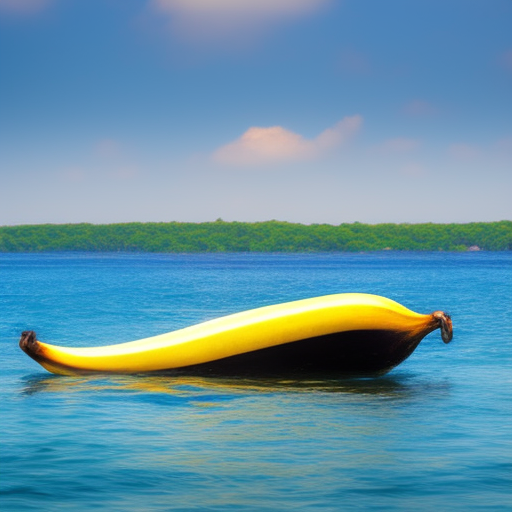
{"type": "Point", "coordinates": [434, 434]}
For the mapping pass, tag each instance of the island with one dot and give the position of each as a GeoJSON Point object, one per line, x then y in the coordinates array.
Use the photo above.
{"type": "Point", "coordinates": [268, 236]}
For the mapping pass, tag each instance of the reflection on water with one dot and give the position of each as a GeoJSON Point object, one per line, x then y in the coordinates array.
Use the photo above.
{"type": "Point", "coordinates": [185, 385]}
{"type": "Point", "coordinates": [233, 444]}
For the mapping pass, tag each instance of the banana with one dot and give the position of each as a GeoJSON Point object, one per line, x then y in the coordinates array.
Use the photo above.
{"type": "Point", "coordinates": [342, 333]}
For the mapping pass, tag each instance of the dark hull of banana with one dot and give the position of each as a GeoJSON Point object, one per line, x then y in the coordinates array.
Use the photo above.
{"type": "Point", "coordinates": [353, 353]}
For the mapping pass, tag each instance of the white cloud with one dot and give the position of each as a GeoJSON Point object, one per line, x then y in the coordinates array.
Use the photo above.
{"type": "Point", "coordinates": [277, 144]}
{"type": "Point", "coordinates": [214, 19]}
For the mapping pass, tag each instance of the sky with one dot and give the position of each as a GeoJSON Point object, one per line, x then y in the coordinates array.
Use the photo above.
{"type": "Point", "coordinates": [310, 111]}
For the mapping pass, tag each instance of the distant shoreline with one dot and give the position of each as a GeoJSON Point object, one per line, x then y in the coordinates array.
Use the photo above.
{"type": "Point", "coordinates": [263, 237]}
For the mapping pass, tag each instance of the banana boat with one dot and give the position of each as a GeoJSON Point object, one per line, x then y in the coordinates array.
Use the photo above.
{"type": "Point", "coordinates": [349, 333]}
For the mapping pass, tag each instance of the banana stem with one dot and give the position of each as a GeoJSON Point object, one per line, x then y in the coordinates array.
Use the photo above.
{"type": "Point", "coordinates": [27, 341]}
{"type": "Point", "coordinates": [445, 323]}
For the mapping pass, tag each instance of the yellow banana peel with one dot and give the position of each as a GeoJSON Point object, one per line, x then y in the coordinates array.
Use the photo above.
{"type": "Point", "coordinates": [350, 333]}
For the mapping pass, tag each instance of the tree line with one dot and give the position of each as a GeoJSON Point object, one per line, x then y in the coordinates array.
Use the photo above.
{"type": "Point", "coordinates": [269, 236]}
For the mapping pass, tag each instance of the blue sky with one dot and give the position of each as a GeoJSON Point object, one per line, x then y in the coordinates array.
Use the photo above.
{"type": "Point", "coordinates": [312, 111]}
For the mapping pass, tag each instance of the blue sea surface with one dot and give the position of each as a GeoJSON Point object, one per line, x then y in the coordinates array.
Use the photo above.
{"type": "Point", "coordinates": [435, 434]}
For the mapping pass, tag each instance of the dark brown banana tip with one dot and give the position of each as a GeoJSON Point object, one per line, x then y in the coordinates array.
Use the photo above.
{"type": "Point", "coordinates": [27, 341]}
{"type": "Point", "coordinates": [445, 323]}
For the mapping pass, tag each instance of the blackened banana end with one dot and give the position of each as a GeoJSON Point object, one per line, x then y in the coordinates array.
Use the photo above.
{"type": "Point", "coordinates": [445, 323]}
{"type": "Point", "coordinates": [29, 344]}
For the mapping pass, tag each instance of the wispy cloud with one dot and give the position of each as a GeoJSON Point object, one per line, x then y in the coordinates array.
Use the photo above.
{"type": "Point", "coordinates": [504, 145]}
{"type": "Point", "coordinates": [412, 170]}
{"type": "Point", "coordinates": [113, 161]}
{"type": "Point", "coordinates": [277, 144]}
{"type": "Point", "coordinates": [124, 173]}
{"type": "Point", "coordinates": [506, 60]}
{"type": "Point", "coordinates": [463, 151]}
{"type": "Point", "coordinates": [398, 145]}
{"type": "Point", "coordinates": [497, 153]}
{"type": "Point", "coordinates": [22, 6]}
{"type": "Point", "coordinates": [417, 108]}
{"type": "Point", "coordinates": [353, 62]}
{"type": "Point", "coordinates": [107, 148]}
{"type": "Point", "coordinates": [73, 175]}
{"type": "Point", "coordinates": [206, 20]}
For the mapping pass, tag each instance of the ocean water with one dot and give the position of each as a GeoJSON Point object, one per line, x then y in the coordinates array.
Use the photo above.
{"type": "Point", "coordinates": [433, 434]}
